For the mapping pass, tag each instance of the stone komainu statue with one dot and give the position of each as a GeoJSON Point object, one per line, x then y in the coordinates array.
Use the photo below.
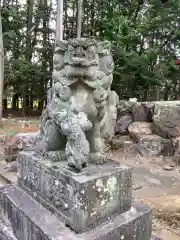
{"type": "Point", "coordinates": [81, 109]}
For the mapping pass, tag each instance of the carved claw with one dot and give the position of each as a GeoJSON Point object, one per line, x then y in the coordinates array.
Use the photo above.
{"type": "Point", "coordinates": [73, 164]}
{"type": "Point", "coordinates": [97, 158]}
{"type": "Point", "coordinates": [56, 156]}
{"type": "Point", "coordinates": [100, 96]}
{"type": "Point", "coordinates": [78, 165]}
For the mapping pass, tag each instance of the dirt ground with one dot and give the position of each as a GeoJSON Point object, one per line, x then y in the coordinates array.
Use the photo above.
{"type": "Point", "coordinates": [152, 184]}
{"type": "Point", "coordinates": [13, 126]}
{"type": "Point", "coordinates": [157, 187]}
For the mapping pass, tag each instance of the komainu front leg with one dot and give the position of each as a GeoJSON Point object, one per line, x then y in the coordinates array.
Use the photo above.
{"type": "Point", "coordinates": [96, 145]}
{"type": "Point", "coordinates": [94, 136]}
{"type": "Point", "coordinates": [77, 147]}
{"type": "Point", "coordinates": [51, 142]}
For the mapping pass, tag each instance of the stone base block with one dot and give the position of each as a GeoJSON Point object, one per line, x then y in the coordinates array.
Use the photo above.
{"type": "Point", "coordinates": [82, 200]}
{"type": "Point", "coordinates": [29, 220]}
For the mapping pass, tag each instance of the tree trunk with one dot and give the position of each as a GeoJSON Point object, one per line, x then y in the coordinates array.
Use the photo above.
{"type": "Point", "coordinates": [40, 104]}
{"type": "Point", "coordinates": [92, 18]}
{"type": "Point", "coordinates": [28, 52]}
{"type": "Point", "coordinates": [1, 71]}
{"type": "Point", "coordinates": [166, 93]}
{"type": "Point", "coordinates": [5, 105]}
{"type": "Point", "coordinates": [44, 78]}
{"type": "Point", "coordinates": [145, 96]}
{"type": "Point", "coordinates": [14, 102]}
{"type": "Point", "coordinates": [31, 101]}
{"type": "Point", "coordinates": [17, 102]}
{"type": "Point", "coordinates": [158, 95]}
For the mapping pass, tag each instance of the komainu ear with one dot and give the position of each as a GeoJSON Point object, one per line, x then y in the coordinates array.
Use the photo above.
{"type": "Point", "coordinates": [61, 45]}
{"type": "Point", "coordinates": [105, 45]}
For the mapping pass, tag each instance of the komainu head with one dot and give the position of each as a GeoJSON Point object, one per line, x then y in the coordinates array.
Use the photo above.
{"type": "Point", "coordinates": [80, 55]}
{"type": "Point", "coordinates": [82, 52]}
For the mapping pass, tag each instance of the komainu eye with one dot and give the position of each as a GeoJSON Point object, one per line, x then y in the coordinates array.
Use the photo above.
{"type": "Point", "coordinates": [56, 61]}
{"type": "Point", "coordinates": [91, 48]}
{"type": "Point", "coordinates": [70, 48]}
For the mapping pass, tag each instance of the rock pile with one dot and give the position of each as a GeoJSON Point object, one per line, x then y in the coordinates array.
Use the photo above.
{"type": "Point", "coordinates": [11, 145]}
{"type": "Point", "coordinates": [154, 127]}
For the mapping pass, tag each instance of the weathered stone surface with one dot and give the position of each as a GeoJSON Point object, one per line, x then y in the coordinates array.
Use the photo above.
{"type": "Point", "coordinates": [29, 220]}
{"type": "Point", "coordinates": [108, 124]}
{"type": "Point", "coordinates": [176, 145]}
{"type": "Point", "coordinates": [121, 142]}
{"type": "Point", "coordinates": [6, 231]}
{"type": "Point", "coordinates": [143, 112]}
{"type": "Point", "coordinates": [82, 200]}
{"type": "Point", "coordinates": [156, 238]}
{"type": "Point", "coordinates": [139, 113]}
{"type": "Point", "coordinates": [81, 108]}
{"type": "Point", "coordinates": [149, 106]}
{"type": "Point", "coordinates": [136, 129]}
{"type": "Point", "coordinates": [9, 146]}
{"type": "Point", "coordinates": [27, 140]}
{"type": "Point", "coordinates": [12, 167]}
{"type": "Point", "coordinates": [153, 145]}
{"type": "Point", "coordinates": [166, 119]}
{"type": "Point", "coordinates": [12, 144]}
{"type": "Point", "coordinates": [124, 107]}
{"type": "Point", "coordinates": [123, 123]}
{"type": "Point", "coordinates": [124, 116]}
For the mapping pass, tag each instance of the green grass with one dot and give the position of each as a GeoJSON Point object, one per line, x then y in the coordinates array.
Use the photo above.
{"type": "Point", "coordinates": [10, 132]}
{"type": "Point", "coordinates": [4, 131]}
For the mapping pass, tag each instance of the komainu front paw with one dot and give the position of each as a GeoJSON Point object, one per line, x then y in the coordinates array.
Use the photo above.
{"type": "Point", "coordinates": [56, 156]}
{"type": "Point", "coordinates": [78, 165]}
{"type": "Point", "coordinates": [97, 158]}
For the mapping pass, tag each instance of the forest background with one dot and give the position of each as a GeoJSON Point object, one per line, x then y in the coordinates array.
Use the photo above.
{"type": "Point", "coordinates": [145, 40]}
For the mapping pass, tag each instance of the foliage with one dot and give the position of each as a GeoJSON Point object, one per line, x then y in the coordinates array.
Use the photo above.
{"type": "Point", "coordinates": [145, 45]}
{"type": "Point", "coordinates": [145, 37]}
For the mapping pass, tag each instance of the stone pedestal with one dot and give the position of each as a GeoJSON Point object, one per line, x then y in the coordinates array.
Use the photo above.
{"type": "Point", "coordinates": [51, 202]}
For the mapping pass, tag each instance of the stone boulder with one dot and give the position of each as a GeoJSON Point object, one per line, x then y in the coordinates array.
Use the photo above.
{"type": "Point", "coordinates": [27, 140]}
{"type": "Point", "coordinates": [121, 142]}
{"type": "Point", "coordinates": [150, 110]}
{"type": "Point", "coordinates": [12, 144]}
{"type": "Point", "coordinates": [124, 143]}
{"type": "Point", "coordinates": [124, 107]}
{"type": "Point", "coordinates": [142, 112]}
{"type": "Point", "coordinates": [123, 123]}
{"type": "Point", "coordinates": [124, 116]}
{"type": "Point", "coordinates": [166, 119]}
{"type": "Point", "coordinates": [176, 145]}
{"type": "Point", "coordinates": [137, 129]}
{"type": "Point", "coordinates": [139, 113]}
{"type": "Point", "coordinates": [154, 145]}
